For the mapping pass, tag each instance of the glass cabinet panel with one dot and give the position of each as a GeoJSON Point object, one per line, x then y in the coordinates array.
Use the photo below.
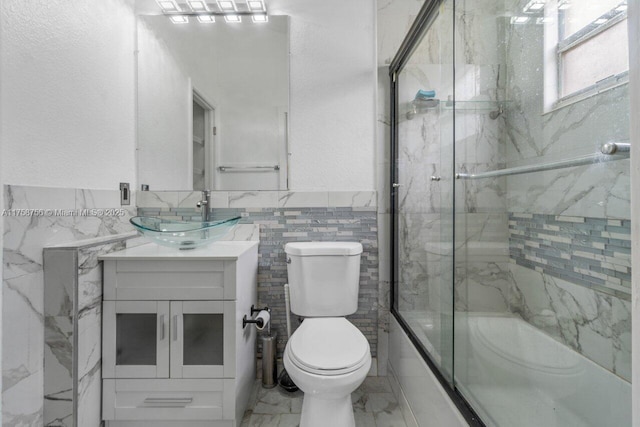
{"type": "Point", "coordinates": [136, 339]}
{"type": "Point", "coordinates": [168, 339]}
{"type": "Point", "coordinates": [203, 339]}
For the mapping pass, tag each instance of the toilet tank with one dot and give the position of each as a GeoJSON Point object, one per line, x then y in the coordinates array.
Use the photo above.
{"type": "Point", "coordinates": [324, 277]}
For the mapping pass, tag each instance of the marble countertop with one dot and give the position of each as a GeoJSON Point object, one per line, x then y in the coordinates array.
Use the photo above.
{"type": "Point", "coordinates": [221, 250]}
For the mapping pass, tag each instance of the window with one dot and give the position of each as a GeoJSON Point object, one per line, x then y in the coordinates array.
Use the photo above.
{"type": "Point", "coordinates": [587, 48]}
{"type": "Point", "coordinates": [592, 47]}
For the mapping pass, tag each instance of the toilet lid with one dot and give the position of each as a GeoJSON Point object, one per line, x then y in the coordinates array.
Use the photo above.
{"type": "Point", "coordinates": [328, 346]}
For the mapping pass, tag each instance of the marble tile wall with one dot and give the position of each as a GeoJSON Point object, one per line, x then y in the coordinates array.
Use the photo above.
{"type": "Point", "coordinates": [73, 330]}
{"type": "Point", "coordinates": [26, 233]}
{"type": "Point", "coordinates": [595, 324]}
{"type": "Point", "coordinates": [553, 287]}
{"type": "Point", "coordinates": [423, 234]}
{"type": "Point", "coordinates": [481, 279]}
{"type": "Point", "coordinates": [394, 18]}
{"type": "Point", "coordinates": [534, 135]}
{"type": "Point", "coordinates": [425, 149]}
{"type": "Point", "coordinates": [499, 65]}
{"type": "Point", "coordinates": [289, 217]}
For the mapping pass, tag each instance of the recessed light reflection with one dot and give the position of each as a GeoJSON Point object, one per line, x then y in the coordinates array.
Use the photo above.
{"type": "Point", "coordinates": [206, 19]}
{"type": "Point", "coordinates": [180, 19]}
{"type": "Point", "coordinates": [260, 18]}
{"type": "Point", "coordinates": [519, 19]}
{"type": "Point", "coordinates": [233, 18]}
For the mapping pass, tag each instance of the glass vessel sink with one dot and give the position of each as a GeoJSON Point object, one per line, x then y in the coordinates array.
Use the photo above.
{"type": "Point", "coordinates": [183, 234]}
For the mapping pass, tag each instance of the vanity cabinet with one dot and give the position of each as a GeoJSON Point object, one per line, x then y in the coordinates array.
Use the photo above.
{"type": "Point", "coordinates": [168, 339]}
{"type": "Point", "coordinates": [174, 351]}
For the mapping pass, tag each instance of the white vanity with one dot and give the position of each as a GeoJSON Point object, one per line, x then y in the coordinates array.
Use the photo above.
{"type": "Point", "coordinates": [174, 352]}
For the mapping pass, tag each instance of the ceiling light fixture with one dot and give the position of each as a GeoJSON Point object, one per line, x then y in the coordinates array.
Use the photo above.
{"type": "Point", "coordinates": [564, 5]}
{"type": "Point", "coordinates": [534, 6]}
{"type": "Point", "coordinates": [169, 6]}
{"type": "Point", "coordinates": [227, 5]}
{"type": "Point", "coordinates": [198, 5]}
{"type": "Point", "coordinates": [256, 6]}
{"type": "Point", "coordinates": [230, 9]}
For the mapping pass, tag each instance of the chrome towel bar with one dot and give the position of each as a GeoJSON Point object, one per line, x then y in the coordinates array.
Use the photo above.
{"type": "Point", "coordinates": [608, 152]}
{"type": "Point", "coordinates": [248, 168]}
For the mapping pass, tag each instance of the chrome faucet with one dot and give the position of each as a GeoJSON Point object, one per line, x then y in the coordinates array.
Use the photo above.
{"type": "Point", "coordinates": [205, 205]}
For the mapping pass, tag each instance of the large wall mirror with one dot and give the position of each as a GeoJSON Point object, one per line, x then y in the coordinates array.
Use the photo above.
{"type": "Point", "coordinates": [213, 104]}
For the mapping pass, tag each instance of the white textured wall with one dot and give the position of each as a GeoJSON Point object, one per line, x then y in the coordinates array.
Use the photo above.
{"type": "Point", "coordinates": [1, 206]}
{"type": "Point", "coordinates": [68, 93]}
{"type": "Point", "coordinates": [74, 125]}
{"type": "Point", "coordinates": [333, 82]}
{"type": "Point", "coordinates": [634, 91]}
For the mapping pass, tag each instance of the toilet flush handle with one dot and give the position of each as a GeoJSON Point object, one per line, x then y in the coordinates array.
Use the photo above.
{"type": "Point", "coordinates": [288, 260]}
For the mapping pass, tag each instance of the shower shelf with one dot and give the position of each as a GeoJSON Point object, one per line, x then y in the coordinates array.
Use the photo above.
{"type": "Point", "coordinates": [475, 105]}
{"type": "Point", "coordinates": [422, 107]}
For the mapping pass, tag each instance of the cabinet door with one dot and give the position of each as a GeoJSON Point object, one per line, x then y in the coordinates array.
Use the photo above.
{"type": "Point", "coordinates": [135, 339]}
{"type": "Point", "coordinates": [202, 339]}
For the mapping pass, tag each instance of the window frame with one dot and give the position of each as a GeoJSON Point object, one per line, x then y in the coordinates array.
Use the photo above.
{"type": "Point", "coordinates": [561, 46]}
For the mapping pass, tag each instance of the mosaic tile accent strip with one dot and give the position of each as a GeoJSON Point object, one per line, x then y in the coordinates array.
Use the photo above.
{"type": "Point", "coordinates": [591, 252]}
{"type": "Point", "coordinates": [279, 226]}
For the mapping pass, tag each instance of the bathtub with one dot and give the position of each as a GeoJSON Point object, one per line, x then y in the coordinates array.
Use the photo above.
{"type": "Point", "coordinates": [515, 375]}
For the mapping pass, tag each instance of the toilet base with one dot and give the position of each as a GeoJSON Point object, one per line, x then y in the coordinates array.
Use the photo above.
{"type": "Point", "coordinates": [319, 412]}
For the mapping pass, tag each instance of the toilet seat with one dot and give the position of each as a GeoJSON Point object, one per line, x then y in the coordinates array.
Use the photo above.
{"type": "Point", "coordinates": [328, 346]}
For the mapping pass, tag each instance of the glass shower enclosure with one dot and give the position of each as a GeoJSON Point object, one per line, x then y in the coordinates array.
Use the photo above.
{"type": "Point", "coordinates": [511, 207]}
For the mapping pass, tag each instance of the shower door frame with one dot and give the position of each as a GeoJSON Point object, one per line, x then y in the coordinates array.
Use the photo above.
{"type": "Point", "coordinates": [426, 17]}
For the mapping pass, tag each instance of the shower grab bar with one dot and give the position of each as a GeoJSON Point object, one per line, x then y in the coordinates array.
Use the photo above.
{"type": "Point", "coordinates": [608, 152]}
{"type": "Point", "coordinates": [247, 168]}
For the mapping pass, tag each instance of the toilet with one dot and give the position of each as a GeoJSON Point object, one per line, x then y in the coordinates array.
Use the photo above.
{"type": "Point", "coordinates": [327, 356]}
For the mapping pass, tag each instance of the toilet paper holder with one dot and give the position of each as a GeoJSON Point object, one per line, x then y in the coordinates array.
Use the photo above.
{"type": "Point", "coordinates": [258, 322]}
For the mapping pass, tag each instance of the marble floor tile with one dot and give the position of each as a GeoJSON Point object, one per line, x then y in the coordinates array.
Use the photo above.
{"type": "Point", "coordinates": [373, 402]}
